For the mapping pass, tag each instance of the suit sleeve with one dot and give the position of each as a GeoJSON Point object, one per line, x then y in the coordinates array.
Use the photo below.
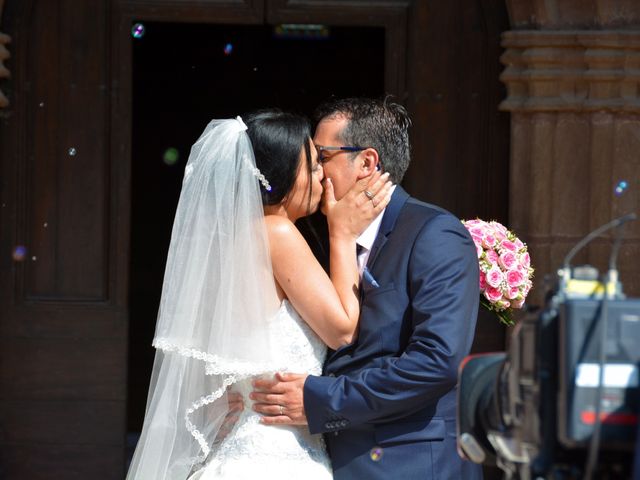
{"type": "Point", "coordinates": [444, 292]}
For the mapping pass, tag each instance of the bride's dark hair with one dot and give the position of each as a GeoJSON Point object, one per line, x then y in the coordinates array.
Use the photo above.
{"type": "Point", "coordinates": [277, 138]}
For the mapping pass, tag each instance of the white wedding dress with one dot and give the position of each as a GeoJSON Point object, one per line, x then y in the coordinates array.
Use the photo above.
{"type": "Point", "coordinates": [255, 451]}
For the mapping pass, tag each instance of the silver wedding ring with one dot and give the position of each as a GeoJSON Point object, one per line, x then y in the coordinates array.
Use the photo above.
{"type": "Point", "coordinates": [369, 194]}
{"type": "Point", "coordinates": [281, 410]}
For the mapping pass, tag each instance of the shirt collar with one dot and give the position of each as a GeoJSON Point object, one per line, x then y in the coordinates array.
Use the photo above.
{"type": "Point", "coordinates": [367, 237]}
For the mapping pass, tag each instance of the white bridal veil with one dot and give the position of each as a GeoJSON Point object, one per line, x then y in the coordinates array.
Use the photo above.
{"type": "Point", "coordinates": [217, 298]}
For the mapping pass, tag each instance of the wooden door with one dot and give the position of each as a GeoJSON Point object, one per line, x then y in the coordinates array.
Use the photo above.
{"type": "Point", "coordinates": [63, 325]}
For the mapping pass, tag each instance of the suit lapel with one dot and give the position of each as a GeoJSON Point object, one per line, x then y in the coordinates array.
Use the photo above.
{"type": "Point", "coordinates": [398, 199]}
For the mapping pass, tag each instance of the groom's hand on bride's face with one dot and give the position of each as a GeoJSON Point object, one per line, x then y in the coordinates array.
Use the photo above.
{"type": "Point", "coordinates": [279, 399]}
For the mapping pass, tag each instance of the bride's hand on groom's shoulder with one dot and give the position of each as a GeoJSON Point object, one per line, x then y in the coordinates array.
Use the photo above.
{"type": "Point", "coordinates": [279, 400]}
{"type": "Point", "coordinates": [349, 216]}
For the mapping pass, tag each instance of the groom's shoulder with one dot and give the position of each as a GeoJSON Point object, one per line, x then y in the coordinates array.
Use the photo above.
{"type": "Point", "coordinates": [426, 219]}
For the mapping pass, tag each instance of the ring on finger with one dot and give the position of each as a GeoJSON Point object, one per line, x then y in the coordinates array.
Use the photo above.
{"type": "Point", "coordinates": [281, 410]}
{"type": "Point", "coordinates": [369, 195]}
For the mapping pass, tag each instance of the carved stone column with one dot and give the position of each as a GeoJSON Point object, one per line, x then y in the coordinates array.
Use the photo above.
{"type": "Point", "coordinates": [573, 89]}
{"type": "Point", "coordinates": [4, 55]}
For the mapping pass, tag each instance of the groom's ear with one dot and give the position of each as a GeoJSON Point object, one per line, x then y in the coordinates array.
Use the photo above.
{"type": "Point", "coordinates": [368, 162]}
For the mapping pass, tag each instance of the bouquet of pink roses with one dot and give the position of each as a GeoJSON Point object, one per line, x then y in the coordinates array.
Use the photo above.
{"type": "Point", "coordinates": [505, 268]}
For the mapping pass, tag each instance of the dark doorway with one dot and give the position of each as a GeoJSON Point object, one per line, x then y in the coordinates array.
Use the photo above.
{"type": "Point", "coordinates": [184, 75]}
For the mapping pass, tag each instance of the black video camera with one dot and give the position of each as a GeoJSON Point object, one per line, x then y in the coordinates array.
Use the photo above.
{"type": "Point", "coordinates": [563, 401]}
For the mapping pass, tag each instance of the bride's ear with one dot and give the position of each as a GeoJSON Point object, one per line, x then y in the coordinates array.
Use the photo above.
{"type": "Point", "coordinates": [368, 162]}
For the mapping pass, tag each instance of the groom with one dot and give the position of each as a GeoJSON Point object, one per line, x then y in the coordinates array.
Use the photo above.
{"type": "Point", "coordinates": [387, 402]}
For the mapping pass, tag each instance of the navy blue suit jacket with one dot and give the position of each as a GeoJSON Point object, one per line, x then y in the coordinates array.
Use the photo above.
{"type": "Point", "coordinates": [394, 388]}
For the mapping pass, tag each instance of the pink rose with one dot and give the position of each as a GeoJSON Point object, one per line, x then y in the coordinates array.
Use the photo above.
{"type": "Point", "coordinates": [493, 294]}
{"type": "Point", "coordinates": [495, 277]}
{"type": "Point", "coordinates": [525, 260]}
{"type": "Point", "coordinates": [508, 260]}
{"type": "Point", "coordinates": [513, 293]}
{"type": "Point", "coordinates": [517, 303]}
{"type": "Point", "coordinates": [479, 250]}
{"type": "Point", "coordinates": [500, 236]}
{"type": "Point", "coordinates": [492, 257]}
{"type": "Point", "coordinates": [519, 244]}
{"type": "Point", "coordinates": [489, 240]}
{"type": "Point", "coordinates": [476, 231]}
{"type": "Point", "coordinates": [483, 281]}
{"type": "Point", "coordinates": [515, 278]}
{"type": "Point", "coordinates": [499, 227]}
{"type": "Point", "coordinates": [509, 246]}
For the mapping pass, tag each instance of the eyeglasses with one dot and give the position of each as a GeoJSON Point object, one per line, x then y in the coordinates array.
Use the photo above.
{"type": "Point", "coordinates": [323, 158]}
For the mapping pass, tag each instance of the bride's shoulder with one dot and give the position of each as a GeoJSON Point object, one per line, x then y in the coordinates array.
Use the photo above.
{"type": "Point", "coordinates": [282, 229]}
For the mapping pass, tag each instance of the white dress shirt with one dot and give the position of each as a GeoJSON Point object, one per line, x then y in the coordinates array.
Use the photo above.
{"type": "Point", "coordinates": [366, 239]}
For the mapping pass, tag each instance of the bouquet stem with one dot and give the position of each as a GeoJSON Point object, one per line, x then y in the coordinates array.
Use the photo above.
{"type": "Point", "coordinates": [503, 315]}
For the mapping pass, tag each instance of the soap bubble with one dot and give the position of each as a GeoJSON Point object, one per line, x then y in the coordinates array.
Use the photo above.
{"type": "Point", "coordinates": [72, 152]}
{"type": "Point", "coordinates": [171, 156]}
{"type": "Point", "coordinates": [376, 454]}
{"type": "Point", "coordinates": [621, 187]}
{"type": "Point", "coordinates": [138, 30]}
{"type": "Point", "coordinates": [19, 253]}
{"type": "Point", "coordinates": [228, 49]}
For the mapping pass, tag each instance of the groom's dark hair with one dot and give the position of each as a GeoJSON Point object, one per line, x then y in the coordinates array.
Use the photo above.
{"type": "Point", "coordinates": [374, 123]}
{"type": "Point", "coordinates": [277, 138]}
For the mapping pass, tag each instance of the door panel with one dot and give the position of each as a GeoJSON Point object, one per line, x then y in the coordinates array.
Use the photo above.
{"type": "Point", "coordinates": [65, 145]}
{"type": "Point", "coordinates": [63, 329]}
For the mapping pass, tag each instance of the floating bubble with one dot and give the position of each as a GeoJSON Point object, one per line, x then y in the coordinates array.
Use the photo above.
{"type": "Point", "coordinates": [228, 49]}
{"type": "Point", "coordinates": [19, 253]}
{"type": "Point", "coordinates": [255, 69]}
{"type": "Point", "coordinates": [171, 156]}
{"type": "Point", "coordinates": [45, 224]}
{"type": "Point", "coordinates": [72, 152]}
{"type": "Point", "coordinates": [621, 187]}
{"type": "Point", "coordinates": [138, 30]}
{"type": "Point", "coordinates": [41, 104]}
{"type": "Point", "coordinates": [34, 258]}
{"type": "Point", "coordinates": [376, 454]}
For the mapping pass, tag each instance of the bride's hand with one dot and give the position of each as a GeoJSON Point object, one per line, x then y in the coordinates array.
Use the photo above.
{"type": "Point", "coordinates": [352, 214]}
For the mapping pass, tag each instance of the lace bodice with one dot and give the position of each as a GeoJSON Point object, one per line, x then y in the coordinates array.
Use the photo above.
{"type": "Point", "coordinates": [300, 349]}
{"type": "Point", "coordinates": [251, 447]}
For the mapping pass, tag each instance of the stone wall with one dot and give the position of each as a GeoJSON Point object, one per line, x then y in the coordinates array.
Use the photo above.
{"type": "Point", "coordinates": [573, 81]}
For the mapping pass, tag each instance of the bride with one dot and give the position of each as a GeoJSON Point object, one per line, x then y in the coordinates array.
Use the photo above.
{"type": "Point", "coordinates": [244, 297]}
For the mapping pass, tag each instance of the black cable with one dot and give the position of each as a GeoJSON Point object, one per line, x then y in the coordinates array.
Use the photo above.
{"type": "Point", "coordinates": [610, 278]}
{"type": "Point", "coordinates": [596, 233]}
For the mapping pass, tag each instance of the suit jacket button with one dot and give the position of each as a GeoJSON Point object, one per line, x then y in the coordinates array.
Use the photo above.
{"type": "Point", "coordinates": [328, 425]}
{"type": "Point", "coordinates": [344, 423]}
